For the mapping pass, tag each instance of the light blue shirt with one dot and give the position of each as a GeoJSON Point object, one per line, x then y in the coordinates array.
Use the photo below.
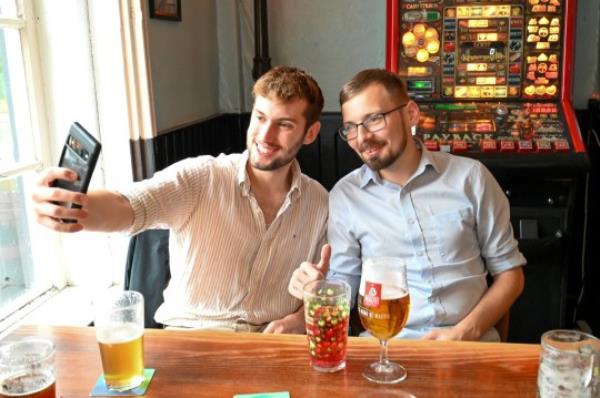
{"type": "Point", "coordinates": [450, 222]}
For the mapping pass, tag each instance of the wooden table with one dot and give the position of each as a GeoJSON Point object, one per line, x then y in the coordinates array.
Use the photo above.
{"type": "Point", "coordinates": [213, 364]}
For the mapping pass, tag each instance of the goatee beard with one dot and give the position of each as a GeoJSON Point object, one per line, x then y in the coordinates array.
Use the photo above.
{"type": "Point", "coordinates": [376, 162]}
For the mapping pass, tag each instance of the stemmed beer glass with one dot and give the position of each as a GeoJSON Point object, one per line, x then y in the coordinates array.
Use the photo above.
{"type": "Point", "coordinates": [383, 306]}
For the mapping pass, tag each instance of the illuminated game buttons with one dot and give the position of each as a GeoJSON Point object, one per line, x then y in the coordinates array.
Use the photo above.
{"type": "Point", "coordinates": [551, 90]}
{"type": "Point", "coordinates": [421, 42]}
{"type": "Point", "coordinates": [543, 145]}
{"type": "Point", "coordinates": [561, 145]}
{"type": "Point", "coordinates": [421, 15]}
{"type": "Point", "coordinates": [459, 146]}
{"type": "Point", "coordinates": [507, 146]}
{"type": "Point", "coordinates": [449, 46]}
{"type": "Point", "coordinates": [432, 145]}
{"type": "Point", "coordinates": [524, 146]}
{"type": "Point", "coordinates": [488, 145]}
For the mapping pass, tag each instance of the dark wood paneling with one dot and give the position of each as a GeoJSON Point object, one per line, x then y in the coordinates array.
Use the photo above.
{"type": "Point", "coordinates": [222, 134]}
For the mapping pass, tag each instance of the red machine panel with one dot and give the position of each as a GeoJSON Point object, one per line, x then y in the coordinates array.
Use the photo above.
{"type": "Point", "coordinates": [492, 77]}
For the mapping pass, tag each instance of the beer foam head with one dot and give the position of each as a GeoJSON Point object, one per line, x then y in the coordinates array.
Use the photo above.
{"type": "Point", "coordinates": [388, 292]}
{"type": "Point", "coordinates": [389, 272]}
{"type": "Point", "coordinates": [114, 334]}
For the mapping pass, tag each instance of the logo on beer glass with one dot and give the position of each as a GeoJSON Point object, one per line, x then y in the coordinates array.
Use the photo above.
{"type": "Point", "coordinates": [373, 296]}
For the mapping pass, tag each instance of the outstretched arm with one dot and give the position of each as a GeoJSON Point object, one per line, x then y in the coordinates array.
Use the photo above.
{"type": "Point", "coordinates": [100, 210]}
{"type": "Point", "coordinates": [496, 301]}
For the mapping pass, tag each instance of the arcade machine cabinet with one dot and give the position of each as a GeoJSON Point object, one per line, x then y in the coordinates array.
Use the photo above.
{"type": "Point", "coordinates": [493, 81]}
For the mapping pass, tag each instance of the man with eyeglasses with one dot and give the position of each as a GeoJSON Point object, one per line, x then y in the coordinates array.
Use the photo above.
{"type": "Point", "coordinates": [445, 215]}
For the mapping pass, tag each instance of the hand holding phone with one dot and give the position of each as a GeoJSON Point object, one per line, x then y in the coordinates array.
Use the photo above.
{"type": "Point", "coordinates": [80, 154]}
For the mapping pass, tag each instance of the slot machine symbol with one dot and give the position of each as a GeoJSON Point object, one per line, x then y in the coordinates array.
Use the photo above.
{"type": "Point", "coordinates": [421, 42]}
{"type": "Point", "coordinates": [530, 90]}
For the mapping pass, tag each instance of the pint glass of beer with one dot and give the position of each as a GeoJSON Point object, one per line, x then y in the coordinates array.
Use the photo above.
{"type": "Point", "coordinates": [27, 369]}
{"type": "Point", "coordinates": [120, 331]}
{"type": "Point", "coordinates": [383, 305]}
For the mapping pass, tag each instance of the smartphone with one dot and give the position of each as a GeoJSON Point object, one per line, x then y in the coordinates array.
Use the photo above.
{"type": "Point", "coordinates": [80, 154]}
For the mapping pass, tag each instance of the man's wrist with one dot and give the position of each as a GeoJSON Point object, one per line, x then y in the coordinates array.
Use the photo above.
{"type": "Point", "coordinates": [296, 321]}
{"type": "Point", "coordinates": [468, 331]}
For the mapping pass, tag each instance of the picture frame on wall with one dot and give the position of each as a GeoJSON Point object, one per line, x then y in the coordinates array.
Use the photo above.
{"type": "Point", "coordinates": [165, 9]}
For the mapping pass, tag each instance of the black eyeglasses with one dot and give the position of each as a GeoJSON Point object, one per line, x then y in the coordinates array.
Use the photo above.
{"type": "Point", "coordinates": [372, 124]}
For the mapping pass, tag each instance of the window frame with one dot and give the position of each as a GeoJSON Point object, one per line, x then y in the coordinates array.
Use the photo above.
{"type": "Point", "coordinates": [35, 141]}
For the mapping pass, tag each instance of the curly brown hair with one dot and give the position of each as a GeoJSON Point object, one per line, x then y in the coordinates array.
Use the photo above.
{"type": "Point", "coordinates": [287, 83]}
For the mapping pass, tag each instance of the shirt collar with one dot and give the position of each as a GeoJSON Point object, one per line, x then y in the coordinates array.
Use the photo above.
{"type": "Point", "coordinates": [244, 180]}
{"type": "Point", "coordinates": [427, 159]}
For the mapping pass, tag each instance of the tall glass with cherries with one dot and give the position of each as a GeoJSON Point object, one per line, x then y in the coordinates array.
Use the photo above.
{"type": "Point", "coordinates": [383, 306]}
{"type": "Point", "coordinates": [327, 310]}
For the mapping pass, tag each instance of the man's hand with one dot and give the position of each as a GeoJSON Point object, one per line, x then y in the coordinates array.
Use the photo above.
{"type": "Point", "coordinates": [308, 272]}
{"type": "Point", "coordinates": [48, 201]}
{"type": "Point", "coordinates": [293, 323]}
{"type": "Point", "coordinates": [494, 304]}
{"type": "Point", "coordinates": [451, 333]}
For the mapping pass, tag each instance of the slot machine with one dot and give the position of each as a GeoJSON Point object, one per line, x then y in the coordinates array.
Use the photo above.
{"type": "Point", "coordinates": [493, 81]}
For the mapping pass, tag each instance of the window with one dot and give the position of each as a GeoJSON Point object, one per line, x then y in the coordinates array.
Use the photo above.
{"type": "Point", "coordinates": [20, 280]}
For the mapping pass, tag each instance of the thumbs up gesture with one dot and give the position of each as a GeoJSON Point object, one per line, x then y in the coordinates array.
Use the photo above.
{"type": "Point", "coordinates": [308, 272]}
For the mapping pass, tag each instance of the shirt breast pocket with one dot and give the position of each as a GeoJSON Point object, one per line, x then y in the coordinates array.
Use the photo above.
{"type": "Point", "coordinates": [456, 234]}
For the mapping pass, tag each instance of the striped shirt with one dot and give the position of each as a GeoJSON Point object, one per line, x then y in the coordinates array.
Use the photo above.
{"type": "Point", "coordinates": [228, 268]}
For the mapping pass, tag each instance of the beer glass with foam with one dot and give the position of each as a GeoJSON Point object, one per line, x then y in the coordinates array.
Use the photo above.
{"type": "Point", "coordinates": [120, 333]}
{"type": "Point", "coordinates": [383, 306]}
{"type": "Point", "coordinates": [27, 369]}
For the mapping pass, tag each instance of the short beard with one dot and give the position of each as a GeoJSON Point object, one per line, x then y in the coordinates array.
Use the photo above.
{"type": "Point", "coordinates": [274, 165]}
{"type": "Point", "coordinates": [378, 163]}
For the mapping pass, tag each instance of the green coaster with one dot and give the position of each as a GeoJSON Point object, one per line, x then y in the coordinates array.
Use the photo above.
{"type": "Point", "coordinates": [100, 389]}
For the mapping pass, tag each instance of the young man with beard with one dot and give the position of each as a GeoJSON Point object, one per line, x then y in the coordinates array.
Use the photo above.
{"type": "Point", "coordinates": [239, 224]}
{"type": "Point", "coordinates": [445, 215]}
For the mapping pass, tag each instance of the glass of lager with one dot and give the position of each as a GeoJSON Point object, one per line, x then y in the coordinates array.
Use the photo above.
{"type": "Point", "coordinates": [383, 306]}
{"type": "Point", "coordinates": [120, 332]}
{"type": "Point", "coordinates": [27, 369]}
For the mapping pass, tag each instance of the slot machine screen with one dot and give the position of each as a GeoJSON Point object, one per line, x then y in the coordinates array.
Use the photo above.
{"type": "Point", "coordinates": [489, 76]}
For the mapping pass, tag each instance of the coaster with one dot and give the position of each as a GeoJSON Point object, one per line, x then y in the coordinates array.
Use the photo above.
{"type": "Point", "coordinates": [100, 389]}
{"type": "Point", "coordinates": [281, 394]}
